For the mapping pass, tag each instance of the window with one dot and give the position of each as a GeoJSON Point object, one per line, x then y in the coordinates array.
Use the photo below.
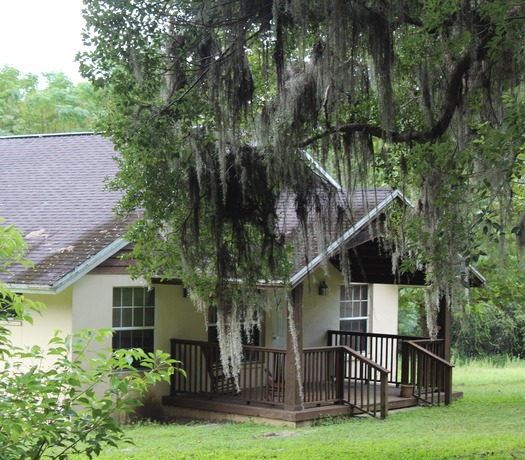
{"type": "Point", "coordinates": [213, 335]}
{"type": "Point", "coordinates": [354, 308]}
{"type": "Point", "coordinates": [133, 318]}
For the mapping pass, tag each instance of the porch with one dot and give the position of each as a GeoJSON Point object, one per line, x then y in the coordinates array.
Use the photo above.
{"type": "Point", "coordinates": [356, 373]}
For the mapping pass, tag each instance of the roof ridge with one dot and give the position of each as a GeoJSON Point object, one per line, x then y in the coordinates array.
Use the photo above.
{"type": "Point", "coordinates": [36, 136]}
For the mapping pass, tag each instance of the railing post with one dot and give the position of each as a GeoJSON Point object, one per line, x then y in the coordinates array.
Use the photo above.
{"type": "Point", "coordinates": [448, 385]}
{"type": "Point", "coordinates": [384, 394]}
{"type": "Point", "coordinates": [340, 374]}
{"type": "Point", "coordinates": [404, 362]}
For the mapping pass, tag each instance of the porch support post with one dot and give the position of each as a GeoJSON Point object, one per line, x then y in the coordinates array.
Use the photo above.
{"type": "Point", "coordinates": [292, 390]}
{"type": "Point", "coordinates": [444, 321]}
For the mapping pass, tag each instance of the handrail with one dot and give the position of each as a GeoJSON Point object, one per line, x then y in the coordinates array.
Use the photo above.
{"type": "Point", "coordinates": [384, 349]}
{"type": "Point", "coordinates": [364, 397]}
{"type": "Point", "coordinates": [374, 334]}
{"type": "Point", "coordinates": [414, 343]}
{"type": "Point", "coordinates": [429, 374]}
{"type": "Point", "coordinates": [364, 359]}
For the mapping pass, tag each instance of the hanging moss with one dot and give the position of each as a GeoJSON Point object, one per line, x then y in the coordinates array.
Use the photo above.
{"type": "Point", "coordinates": [229, 94]}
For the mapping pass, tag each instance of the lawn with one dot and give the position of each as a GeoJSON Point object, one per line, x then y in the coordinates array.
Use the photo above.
{"type": "Point", "coordinates": [489, 422]}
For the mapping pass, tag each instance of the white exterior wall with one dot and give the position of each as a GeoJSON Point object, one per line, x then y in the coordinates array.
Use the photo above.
{"type": "Point", "coordinates": [175, 316]}
{"type": "Point", "coordinates": [321, 313]}
{"type": "Point", "coordinates": [56, 316]}
{"type": "Point", "coordinates": [384, 311]}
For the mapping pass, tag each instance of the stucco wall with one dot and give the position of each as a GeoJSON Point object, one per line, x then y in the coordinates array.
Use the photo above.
{"type": "Point", "coordinates": [55, 316]}
{"type": "Point", "coordinates": [383, 316]}
{"type": "Point", "coordinates": [175, 316]}
{"type": "Point", "coordinates": [321, 313]}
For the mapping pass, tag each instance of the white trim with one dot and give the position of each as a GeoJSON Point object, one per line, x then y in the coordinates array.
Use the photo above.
{"type": "Point", "coordinates": [321, 171]}
{"type": "Point", "coordinates": [333, 247]}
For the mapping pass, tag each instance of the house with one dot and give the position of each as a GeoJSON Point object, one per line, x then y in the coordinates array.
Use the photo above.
{"type": "Point", "coordinates": [52, 187]}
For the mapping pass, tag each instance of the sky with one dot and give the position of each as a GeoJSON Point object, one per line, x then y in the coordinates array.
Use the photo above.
{"type": "Point", "coordinates": [41, 35]}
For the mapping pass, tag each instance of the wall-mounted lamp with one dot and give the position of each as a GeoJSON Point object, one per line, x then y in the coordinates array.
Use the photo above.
{"type": "Point", "coordinates": [323, 288]}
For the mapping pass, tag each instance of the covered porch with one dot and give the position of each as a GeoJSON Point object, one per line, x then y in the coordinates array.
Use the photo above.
{"type": "Point", "coordinates": [356, 373]}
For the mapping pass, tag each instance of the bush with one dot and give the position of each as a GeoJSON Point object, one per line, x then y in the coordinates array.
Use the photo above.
{"type": "Point", "coordinates": [68, 406]}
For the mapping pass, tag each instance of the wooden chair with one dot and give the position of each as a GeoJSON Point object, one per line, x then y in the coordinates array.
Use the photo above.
{"type": "Point", "coordinates": [220, 384]}
{"type": "Point", "coordinates": [275, 382]}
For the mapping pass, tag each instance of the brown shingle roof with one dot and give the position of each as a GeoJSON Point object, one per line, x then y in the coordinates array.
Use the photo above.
{"type": "Point", "coordinates": [342, 218]}
{"type": "Point", "coordinates": [52, 188]}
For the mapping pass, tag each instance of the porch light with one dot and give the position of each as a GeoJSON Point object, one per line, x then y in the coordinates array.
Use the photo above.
{"type": "Point", "coordinates": [323, 288]}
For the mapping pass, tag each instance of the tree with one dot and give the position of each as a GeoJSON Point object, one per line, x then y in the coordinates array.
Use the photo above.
{"type": "Point", "coordinates": [65, 407]}
{"type": "Point", "coordinates": [214, 102]}
{"type": "Point", "coordinates": [58, 107]}
{"type": "Point", "coordinates": [13, 88]}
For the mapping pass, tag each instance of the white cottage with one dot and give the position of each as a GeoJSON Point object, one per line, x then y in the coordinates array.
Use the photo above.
{"type": "Point", "coordinates": [52, 187]}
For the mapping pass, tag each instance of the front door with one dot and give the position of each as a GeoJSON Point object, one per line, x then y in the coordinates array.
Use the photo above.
{"type": "Point", "coordinates": [279, 326]}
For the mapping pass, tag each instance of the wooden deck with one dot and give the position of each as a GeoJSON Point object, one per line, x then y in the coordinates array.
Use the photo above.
{"type": "Point", "coordinates": [356, 374]}
{"type": "Point", "coordinates": [205, 407]}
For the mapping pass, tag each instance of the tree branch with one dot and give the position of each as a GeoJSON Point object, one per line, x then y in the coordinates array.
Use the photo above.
{"type": "Point", "coordinates": [452, 101]}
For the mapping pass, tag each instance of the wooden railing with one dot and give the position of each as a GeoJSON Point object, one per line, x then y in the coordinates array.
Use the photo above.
{"type": "Point", "coordinates": [429, 375]}
{"type": "Point", "coordinates": [368, 388]}
{"type": "Point", "coordinates": [261, 378]}
{"type": "Point", "coordinates": [383, 349]}
{"type": "Point", "coordinates": [331, 375]}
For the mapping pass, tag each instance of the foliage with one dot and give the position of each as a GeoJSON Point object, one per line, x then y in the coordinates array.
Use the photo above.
{"type": "Point", "coordinates": [58, 106]}
{"type": "Point", "coordinates": [493, 321]}
{"type": "Point", "coordinates": [412, 313]}
{"type": "Point", "coordinates": [486, 423]}
{"type": "Point", "coordinates": [60, 400]}
{"type": "Point", "coordinates": [213, 104]}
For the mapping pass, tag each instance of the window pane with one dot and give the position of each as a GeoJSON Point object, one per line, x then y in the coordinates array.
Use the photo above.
{"type": "Point", "coordinates": [127, 317]}
{"type": "Point", "coordinates": [138, 317]}
{"type": "Point", "coordinates": [127, 297]}
{"type": "Point", "coordinates": [115, 342]}
{"type": "Point", "coordinates": [149, 317]}
{"type": "Point", "coordinates": [116, 317]}
{"type": "Point", "coordinates": [150, 298]}
{"type": "Point", "coordinates": [147, 340]}
{"type": "Point", "coordinates": [116, 297]}
{"type": "Point", "coordinates": [344, 293]}
{"type": "Point", "coordinates": [138, 297]}
{"type": "Point", "coordinates": [125, 339]}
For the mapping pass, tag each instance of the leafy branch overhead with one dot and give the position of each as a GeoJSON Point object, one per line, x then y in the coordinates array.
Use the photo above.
{"type": "Point", "coordinates": [213, 102]}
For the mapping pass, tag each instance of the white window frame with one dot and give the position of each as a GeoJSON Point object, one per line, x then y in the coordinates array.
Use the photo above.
{"type": "Point", "coordinates": [136, 306]}
{"type": "Point", "coordinates": [351, 292]}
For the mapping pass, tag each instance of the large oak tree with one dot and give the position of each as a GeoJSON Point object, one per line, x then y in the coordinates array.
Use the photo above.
{"type": "Point", "coordinates": [213, 104]}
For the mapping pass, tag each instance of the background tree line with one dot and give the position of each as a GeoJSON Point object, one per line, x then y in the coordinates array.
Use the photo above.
{"type": "Point", "coordinates": [57, 106]}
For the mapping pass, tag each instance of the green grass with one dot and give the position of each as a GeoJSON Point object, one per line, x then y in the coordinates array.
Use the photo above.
{"type": "Point", "coordinates": [489, 422]}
